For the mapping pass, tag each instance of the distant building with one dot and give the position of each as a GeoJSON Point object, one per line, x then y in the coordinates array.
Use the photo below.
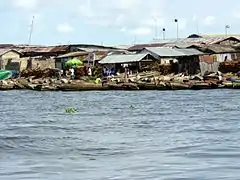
{"type": "Point", "coordinates": [8, 59]}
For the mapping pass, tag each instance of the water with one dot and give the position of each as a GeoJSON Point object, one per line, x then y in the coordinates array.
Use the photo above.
{"type": "Point", "coordinates": [148, 135]}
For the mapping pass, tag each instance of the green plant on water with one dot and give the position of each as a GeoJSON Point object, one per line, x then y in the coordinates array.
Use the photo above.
{"type": "Point", "coordinates": [70, 110]}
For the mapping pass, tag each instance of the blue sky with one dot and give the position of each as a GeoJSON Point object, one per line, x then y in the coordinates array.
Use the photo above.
{"type": "Point", "coordinates": [111, 22]}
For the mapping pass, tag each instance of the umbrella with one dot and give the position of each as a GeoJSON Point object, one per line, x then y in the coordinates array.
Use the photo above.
{"type": "Point", "coordinates": [74, 62]}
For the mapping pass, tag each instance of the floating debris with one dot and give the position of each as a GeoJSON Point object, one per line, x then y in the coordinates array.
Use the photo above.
{"type": "Point", "coordinates": [70, 110]}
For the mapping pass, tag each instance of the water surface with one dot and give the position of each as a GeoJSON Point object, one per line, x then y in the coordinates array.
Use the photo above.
{"type": "Point", "coordinates": [145, 135]}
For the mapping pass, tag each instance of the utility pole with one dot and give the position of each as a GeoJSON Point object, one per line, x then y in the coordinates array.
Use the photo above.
{"type": "Point", "coordinates": [134, 40]}
{"type": "Point", "coordinates": [163, 32]}
{"type": "Point", "coordinates": [31, 31]}
{"type": "Point", "coordinates": [226, 29]}
{"type": "Point", "coordinates": [29, 64]}
{"type": "Point", "coordinates": [176, 21]}
{"type": "Point", "coordinates": [197, 28]}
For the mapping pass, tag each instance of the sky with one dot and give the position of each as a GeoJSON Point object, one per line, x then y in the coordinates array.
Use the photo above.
{"type": "Point", "coordinates": [112, 22]}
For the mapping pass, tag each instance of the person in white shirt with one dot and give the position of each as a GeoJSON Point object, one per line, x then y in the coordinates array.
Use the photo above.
{"type": "Point", "coordinates": [89, 71]}
{"type": "Point", "coordinates": [72, 72]}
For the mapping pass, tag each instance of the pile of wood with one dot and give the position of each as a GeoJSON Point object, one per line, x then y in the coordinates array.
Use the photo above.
{"type": "Point", "coordinates": [164, 69]}
{"type": "Point", "coordinates": [40, 73]}
{"type": "Point", "coordinates": [80, 72]}
{"type": "Point", "coordinates": [229, 66]}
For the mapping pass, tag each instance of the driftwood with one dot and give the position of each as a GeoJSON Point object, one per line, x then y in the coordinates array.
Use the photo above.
{"type": "Point", "coordinates": [40, 73]}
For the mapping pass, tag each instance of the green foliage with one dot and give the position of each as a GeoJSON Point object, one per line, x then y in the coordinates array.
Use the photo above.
{"type": "Point", "coordinates": [97, 71]}
{"type": "Point", "coordinates": [70, 110]}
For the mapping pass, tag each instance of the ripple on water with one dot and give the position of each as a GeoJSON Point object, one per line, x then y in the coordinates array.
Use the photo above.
{"type": "Point", "coordinates": [120, 135]}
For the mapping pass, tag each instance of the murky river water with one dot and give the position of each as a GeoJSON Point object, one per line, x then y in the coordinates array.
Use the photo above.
{"type": "Point", "coordinates": [149, 135]}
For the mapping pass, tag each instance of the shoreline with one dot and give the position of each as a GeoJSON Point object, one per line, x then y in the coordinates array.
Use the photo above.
{"type": "Point", "coordinates": [76, 85]}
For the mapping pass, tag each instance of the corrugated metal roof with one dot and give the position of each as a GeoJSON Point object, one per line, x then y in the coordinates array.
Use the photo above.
{"type": "Point", "coordinates": [92, 49]}
{"type": "Point", "coordinates": [217, 48]}
{"type": "Point", "coordinates": [214, 48]}
{"type": "Point", "coordinates": [139, 47]}
{"type": "Point", "coordinates": [73, 54]}
{"type": "Point", "coordinates": [42, 49]}
{"type": "Point", "coordinates": [5, 50]}
{"type": "Point", "coordinates": [199, 40]}
{"type": "Point", "coordinates": [164, 52]}
{"type": "Point", "coordinates": [210, 40]}
{"type": "Point", "coordinates": [126, 58]}
{"type": "Point", "coordinates": [62, 48]}
{"type": "Point", "coordinates": [190, 51]}
{"type": "Point", "coordinates": [173, 52]}
{"type": "Point", "coordinates": [100, 50]}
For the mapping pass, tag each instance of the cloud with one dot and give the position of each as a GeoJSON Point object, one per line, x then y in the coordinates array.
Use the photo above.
{"type": "Point", "coordinates": [141, 31]}
{"type": "Point", "coordinates": [25, 4]}
{"type": "Point", "coordinates": [209, 20]}
{"type": "Point", "coordinates": [123, 12]}
{"type": "Point", "coordinates": [64, 28]}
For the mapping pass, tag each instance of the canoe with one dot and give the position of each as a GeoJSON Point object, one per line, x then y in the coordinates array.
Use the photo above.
{"type": "Point", "coordinates": [5, 74]}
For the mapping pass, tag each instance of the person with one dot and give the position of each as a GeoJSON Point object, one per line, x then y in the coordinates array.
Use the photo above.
{"type": "Point", "coordinates": [72, 72]}
{"type": "Point", "coordinates": [104, 80]}
{"type": "Point", "coordinates": [104, 72]}
{"type": "Point", "coordinates": [220, 77]}
{"type": "Point", "coordinates": [89, 71]}
{"type": "Point", "coordinates": [238, 74]}
{"type": "Point", "coordinates": [59, 74]}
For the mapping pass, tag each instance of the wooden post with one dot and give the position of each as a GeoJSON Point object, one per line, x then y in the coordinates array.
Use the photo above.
{"type": "Point", "coordinates": [1, 63]}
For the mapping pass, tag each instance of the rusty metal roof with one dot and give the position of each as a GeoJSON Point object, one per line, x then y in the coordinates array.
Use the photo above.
{"type": "Point", "coordinates": [62, 48]}
{"type": "Point", "coordinates": [73, 54]}
{"type": "Point", "coordinates": [139, 47]}
{"type": "Point", "coordinates": [43, 49]}
{"type": "Point", "coordinates": [215, 48]}
{"type": "Point", "coordinates": [6, 50]}
{"type": "Point", "coordinates": [6, 46]}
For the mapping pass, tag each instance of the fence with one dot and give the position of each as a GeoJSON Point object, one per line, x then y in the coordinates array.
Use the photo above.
{"type": "Point", "coordinates": [210, 67]}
